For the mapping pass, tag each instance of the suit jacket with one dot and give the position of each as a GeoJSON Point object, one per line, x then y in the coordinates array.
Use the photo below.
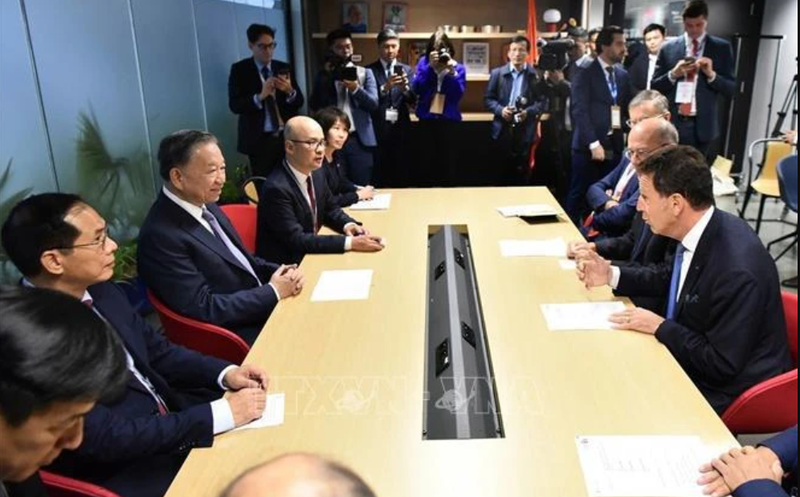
{"type": "Point", "coordinates": [785, 447]}
{"type": "Point", "coordinates": [286, 227]}
{"type": "Point", "coordinates": [195, 275]}
{"type": "Point", "coordinates": [638, 247]}
{"type": "Point", "coordinates": [343, 191]}
{"type": "Point", "coordinates": [244, 83]}
{"type": "Point", "coordinates": [32, 487]}
{"type": "Point", "coordinates": [122, 436]}
{"type": "Point", "coordinates": [425, 85]}
{"type": "Point", "coordinates": [395, 98]}
{"type": "Point", "coordinates": [729, 333]}
{"type": "Point", "coordinates": [364, 102]}
{"type": "Point", "coordinates": [720, 52]}
{"type": "Point", "coordinates": [616, 221]}
{"type": "Point", "coordinates": [639, 71]}
{"type": "Point", "coordinates": [498, 96]}
{"type": "Point", "coordinates": [592, 102]}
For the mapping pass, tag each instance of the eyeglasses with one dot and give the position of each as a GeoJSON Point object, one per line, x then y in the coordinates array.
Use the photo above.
{"type": "Point", "coordinates": [267, 46]}
{"type": "Point", "coordinates": [641, 154]}
{"type": "Point", "coordinates": [100, 243]}
{"type": "Point", "coordinates": [631, 123]}
{"type": "Point", "coordinates": [312, 144]}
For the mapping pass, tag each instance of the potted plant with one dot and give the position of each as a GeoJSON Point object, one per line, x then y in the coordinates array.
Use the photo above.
{"type": "Point", "coordinates": [8, 273]}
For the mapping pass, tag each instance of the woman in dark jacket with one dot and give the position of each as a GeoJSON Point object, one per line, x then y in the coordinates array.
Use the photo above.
{"type": "Point", "coordinates": [336, 128]}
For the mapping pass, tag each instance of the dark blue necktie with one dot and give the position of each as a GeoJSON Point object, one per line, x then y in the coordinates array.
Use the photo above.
{"type": "Point", "coordinates": [612, 84]}
{"type": "Point", "coordinates": [672, 304]}
{"type": "Point", "coordinates": [269, 120]}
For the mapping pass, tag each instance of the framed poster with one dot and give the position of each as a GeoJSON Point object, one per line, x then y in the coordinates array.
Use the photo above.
{"type": "Point", "coordinates": [476, 58]}
{"type": "Point", "coordinates": [355, 16]}
{"type": "Point", "coordinates": [395, 16]}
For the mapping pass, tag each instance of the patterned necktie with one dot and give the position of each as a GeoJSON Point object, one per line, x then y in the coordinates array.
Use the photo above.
{"type": "Point", "coordinates": [685, 109]}
{"type": "Point", "coordinates": [612, 84]}
{"type": "Point", "coordinates": [677, 269]}
{"type": "Point", "coordinates": [312, 199]}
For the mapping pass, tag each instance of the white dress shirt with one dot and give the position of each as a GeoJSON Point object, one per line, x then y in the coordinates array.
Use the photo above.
{"type": "Point", "coordinates": [626, 178]}
{"type": "Point", "coordinates": [651, 69]}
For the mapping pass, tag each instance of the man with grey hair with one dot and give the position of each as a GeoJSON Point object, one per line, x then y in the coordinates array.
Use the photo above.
{"type": "Point", "coordinates": [614, 198]}
{"type": "Point", "coordinates": [299, 475]}
{"type": "Point", "coordinates": [296, 203]}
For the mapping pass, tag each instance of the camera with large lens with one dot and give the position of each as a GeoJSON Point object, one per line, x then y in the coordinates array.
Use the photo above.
{"type": "Point", "coordinates": [338, 66]}
{"type": "Point", "coordinates": [555, 54]}
{"type": "Point", "coordinates": [444, 56]}
{"type": "Point", "coordinates": [520, 104]}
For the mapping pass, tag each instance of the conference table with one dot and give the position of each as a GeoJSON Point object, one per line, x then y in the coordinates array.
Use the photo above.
{"type": "Point", "coordinates": [353, 372]}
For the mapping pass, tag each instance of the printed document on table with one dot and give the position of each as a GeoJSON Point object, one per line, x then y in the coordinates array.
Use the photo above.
{"type": "Point", "coordinates": [274, 415]}
{"type": "Point", "coordinates": [581, 317]}
{"type": "Point", "coordinates": [381, 202]}
{"type": "Point", "coordinates": [534, 248]}
{"type": "Point", "coordinates": [528, 210]}
{"type": "Point", "coordinates": [336, 286]}
{"type": "Point", "coordinates": [642, 466]}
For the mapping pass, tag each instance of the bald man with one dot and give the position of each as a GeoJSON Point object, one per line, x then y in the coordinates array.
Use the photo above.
{"type": "Point", "coordinates": [299, 475]}
{"type": "Point", "coordinates": [295, 203]}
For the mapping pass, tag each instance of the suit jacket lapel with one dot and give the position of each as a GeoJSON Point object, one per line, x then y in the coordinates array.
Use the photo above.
{"type": "Point", "coordinates": [601, 74]}
{"type": "Point", "coordinates": [298, 194]}
{"type": "Point", "coordinates": [699, 261]}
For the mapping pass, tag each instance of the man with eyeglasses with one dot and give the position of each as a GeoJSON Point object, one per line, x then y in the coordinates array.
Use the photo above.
{"type": "Point", "coordinates": [134, 445]}
{"type": "Point", "coordinates": [613, 199]}
{"type": "Point", "coordinates": [296, 203]}
{"type": "Point", "coordinates": [262, 92]}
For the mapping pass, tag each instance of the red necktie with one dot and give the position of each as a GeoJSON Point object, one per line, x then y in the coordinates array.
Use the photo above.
{"type": "Point", "coordinates": [313, 201]}
{"type": "Point", "coordinates": [691, 77]}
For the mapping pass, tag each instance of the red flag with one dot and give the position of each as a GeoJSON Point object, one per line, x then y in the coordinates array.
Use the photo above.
{"type": "Point", "coordinates": [533, 33]}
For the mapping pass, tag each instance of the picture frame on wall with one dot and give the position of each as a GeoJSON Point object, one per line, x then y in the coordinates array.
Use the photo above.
{"type": "Point", "coordinates": [355, 17]}
{"type": "Point", "coordinates": [476, 58]}
{"type": "Point", "coordinates": [395, 16]}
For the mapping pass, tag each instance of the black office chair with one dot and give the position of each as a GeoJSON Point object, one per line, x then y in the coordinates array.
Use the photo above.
{"type": "Point", "coordinates": [251, 187]}
{"type": "Point", "coordinates": [787, 176]}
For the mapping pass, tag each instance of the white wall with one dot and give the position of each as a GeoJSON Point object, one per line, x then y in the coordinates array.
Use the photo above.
{"type": "Point", "coordinates": [780, 18]}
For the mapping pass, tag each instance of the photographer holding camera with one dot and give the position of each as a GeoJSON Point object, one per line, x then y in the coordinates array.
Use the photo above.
{"type": "Point", "coordinates": [440, 83]}
{"type": "Point", "coordinates": [514, 99]}
{"type": "Point", "coordinates": [352, 89]}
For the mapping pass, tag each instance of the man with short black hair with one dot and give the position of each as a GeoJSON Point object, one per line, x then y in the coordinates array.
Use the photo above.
{"type": "Point", "coordinates": [644, 67]}
{"type": "Point", "coordinates": [694, 71]}
{"type": "Point", "coordinates": [57, 360]}
{"type": "Point", "coordinates": [262, 92]}
{"type": "Point", "coordinates": [299, 475]}
{"type": "Point", "coordinates": [172, 402]}
{"type": "Point", "coordinates": [600, 97]}
{"type": "Point", "coordinates": [354, 90]}
{"type": "Point", "coordinates": [724, 320]}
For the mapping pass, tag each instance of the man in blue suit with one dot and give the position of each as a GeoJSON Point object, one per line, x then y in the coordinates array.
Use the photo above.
{"type": "Point", "coordinates": [755, 472]}
{"type": "Point", "coordinates": [693, 71]}
{"type": "Point", "coordinates": [354, 90]}
{"type": "Point", "coordinates": [296, 203]}
{"type": "Point", "coordinates": [614, 198]}
{"type": "Point", "coordinates": [724, 321]}
{"type": "Point", "coordinates": [513, 98]}
{"type": "Point", "coordinates": [600, 97]}
{"type": "Point", "coordinates": [191, 256]}
{"type": "Point", "coordinates": [392, 120]}
{"type": "Point", "coordinates": [133, 445]}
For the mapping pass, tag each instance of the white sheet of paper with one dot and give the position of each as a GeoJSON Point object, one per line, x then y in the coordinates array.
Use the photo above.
{"type": "Point", "coordinates": [568, 265]}
{"type": "Point", "coordinates": [580, 317]}
{"type": "Point", "coordinates": [274, 415]}
{"type": "Point", "coordinates": [528, 210]}
{"type": "Point", "coordinates": [381, 202]}
{"type": "Point", "coordinates": [334, 286]}
{"type": "Point", "coordinates": [685, 92]}
{"type": "Point", "coordinates": [534, 248]}
{"type": "Point", "coordinates": [642, 466]}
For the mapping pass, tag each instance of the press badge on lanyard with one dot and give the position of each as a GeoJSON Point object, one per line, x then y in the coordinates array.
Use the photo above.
{"type": "Point", "coordinates": [616, 117]}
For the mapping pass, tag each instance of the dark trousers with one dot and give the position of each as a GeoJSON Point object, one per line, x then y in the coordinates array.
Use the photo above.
{"type": "Point", "coordinates": [359, 161]}
{"type": "Point", "coordinates": [392, 158]}
{"type": "Point", "coordinates": [270, 153]}
{"type": "Point", "coordinates": [512, 154]}
{"type": "Point", "coordinates": [436, 162]}
{"type": "Point", "coordinates": [585, 173]}
{"type": "Point", "coordinates": [687, 130]}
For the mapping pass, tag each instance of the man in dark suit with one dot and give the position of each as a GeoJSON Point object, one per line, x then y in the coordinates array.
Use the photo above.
{"type": "Point", "coordinates": [57, 360]}
{"type": "Point", "coordinates": [513, 98]}
{"type": "Point", "coordinates": [133, 445]}
{"type": "Point", "coordinates": [600, 97]}
{"type": "Point", "coordinates": [644, 66]}
{"type": "Point", "coordinates": [357, 97]}
{"type": "Point", "coordinates": [724, 321]}
{"type": "Point", "coordinates": [284, 475]}
{"type": "Point", "coordinates": [191, 256]}
{"type": "Point", "coordinates": [614, 198]}
{"type": "Point", "coordinates": [693, 71]}
{"type": "Point", "coordinates": [261, 91]}
{"type": "Point", "coordinates": [296, 203]}
{"type": "Point", "coordinates": [392, 119]}
{"type": "Point", "coordinates": [755, 472]}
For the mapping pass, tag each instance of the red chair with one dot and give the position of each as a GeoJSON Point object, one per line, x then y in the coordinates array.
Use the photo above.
{"type": "Point", "coordinates": [205, 338]}
{"type": "Point", "coordinates": [61, 486]}
{"type": "Point", "coordinates": [244, 218]}
{"type": "Point", "coordinates": [771, 406]}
